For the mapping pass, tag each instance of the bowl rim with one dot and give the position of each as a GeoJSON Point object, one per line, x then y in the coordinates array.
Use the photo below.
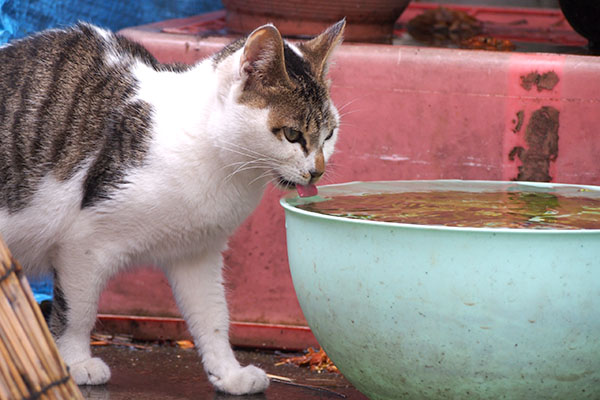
{"type": "Point", "coordinates": [285, 203]}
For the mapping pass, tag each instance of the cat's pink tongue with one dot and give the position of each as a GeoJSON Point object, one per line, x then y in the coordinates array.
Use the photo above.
{"type": "Point", "coordinates": [307, 190]}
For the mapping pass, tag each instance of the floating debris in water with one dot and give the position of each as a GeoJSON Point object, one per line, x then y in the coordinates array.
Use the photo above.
{"type": "Point", "coordinates": [496, 209]}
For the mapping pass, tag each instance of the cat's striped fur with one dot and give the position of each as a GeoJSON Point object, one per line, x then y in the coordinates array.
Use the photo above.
{"type": "Point", "coordinates": [110, 159]}
{"type": "Point", "coordinates": [62, 105]}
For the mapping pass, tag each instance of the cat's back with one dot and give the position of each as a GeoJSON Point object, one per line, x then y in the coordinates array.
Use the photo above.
{"type": "Point", "coordinates": [51, 68]}
{"type": "Point", "coordinates": [70, 127]}
{"type": "Point", "coordinates": [67, 96]}
{"type": "Point", "coordinates": [65, 57]}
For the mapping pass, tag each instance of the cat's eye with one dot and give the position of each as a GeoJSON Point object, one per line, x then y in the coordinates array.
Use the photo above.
{"type": "Point", "coordinates": [292, 135]}
{"type": "Point", "coordinates": [330, 135]}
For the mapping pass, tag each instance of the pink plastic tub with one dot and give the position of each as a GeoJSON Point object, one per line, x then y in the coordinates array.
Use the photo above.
{"type": "Point", "coordinates": [408, 113]}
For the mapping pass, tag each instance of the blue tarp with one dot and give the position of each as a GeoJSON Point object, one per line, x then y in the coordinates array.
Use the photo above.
{"type": "Point", "coordinates": [21, 17]}
{"type": "Point", "coordinates": [41, 288]}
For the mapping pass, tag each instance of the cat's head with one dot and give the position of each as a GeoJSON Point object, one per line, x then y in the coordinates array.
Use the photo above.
{"type": "Point", "coordinates": [282, 113]}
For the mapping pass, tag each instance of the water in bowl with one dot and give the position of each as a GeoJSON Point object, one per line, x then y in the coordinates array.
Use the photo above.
{"type": "Point", "coordinates": [516, 206]}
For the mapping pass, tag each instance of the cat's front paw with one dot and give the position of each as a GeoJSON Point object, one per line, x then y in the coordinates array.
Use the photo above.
{"type": "Point", "coordinates": [92, 371]}
{"type": "Point", "coordinates": [242, 380]}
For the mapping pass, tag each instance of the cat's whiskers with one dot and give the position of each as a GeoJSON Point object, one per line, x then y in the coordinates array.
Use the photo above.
{"type": "Point", "coordinates": [346, 124]}
{"type": "Point", "coordinates": [263, 162]}
{"type": "Point", "coordinates": [342, 112]}
{"type": "Point", "coordinates": [237, 164]}
{"type": "Point", "coordinates": [329, 177]}
{"type": "Point", "coordinates": [242, 164]}
{"type": "Point", "coordinates": [243, 148]}
{"type": "Point", "coordinates": [261, 166]}
{"type": "Point", "coordinates": [332, 166]}
{"type": "Point", "coordinates": [250, 165]}
{"type": "Point", "coordinates": [272, 187]}
{"type": "Point", "coordinates": [236, 151]}
{"type": "Point", "coordinates": [349, 112]}
{"type": "Point", "coordinates": [261, 176]}
{"type": "Point", "coordinates": [348, 103]}
{"type": "Point", "coordinates": [255, 163]}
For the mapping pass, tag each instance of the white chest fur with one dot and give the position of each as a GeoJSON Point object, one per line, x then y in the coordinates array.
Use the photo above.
{"type": "Point", "coordinates": [194, 189]}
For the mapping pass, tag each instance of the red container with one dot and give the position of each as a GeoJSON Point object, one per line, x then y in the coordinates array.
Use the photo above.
{"type": "Point", "coordinates": [366, 20]}
{"type": "Point", "coordinates": [407, 113]}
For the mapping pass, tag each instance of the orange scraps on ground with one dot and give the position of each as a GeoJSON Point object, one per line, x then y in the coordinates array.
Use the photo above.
{"type": "Point", "coordinates": [317, 360]}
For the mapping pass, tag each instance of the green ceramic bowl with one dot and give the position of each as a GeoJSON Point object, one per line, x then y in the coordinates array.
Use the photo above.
{"type": "Point", "coordinates": [436, 312]}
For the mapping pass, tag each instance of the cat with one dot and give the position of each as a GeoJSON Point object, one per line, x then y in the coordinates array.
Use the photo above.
{"type": "Point", "coordinates": [111, 159]}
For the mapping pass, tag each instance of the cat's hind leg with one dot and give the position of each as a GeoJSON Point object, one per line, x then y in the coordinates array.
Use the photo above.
{"type": "Point", "coordinates": [200, 295]}
{"type": "Point", "coordinates": [74, 307]}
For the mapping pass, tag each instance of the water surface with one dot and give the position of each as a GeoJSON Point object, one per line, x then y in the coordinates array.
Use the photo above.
{"type": "Point", "coordinates": [510, 207]}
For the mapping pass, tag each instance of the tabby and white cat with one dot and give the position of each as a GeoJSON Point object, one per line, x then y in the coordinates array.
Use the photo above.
{"type": "Point", "coordinates": [110, 159]}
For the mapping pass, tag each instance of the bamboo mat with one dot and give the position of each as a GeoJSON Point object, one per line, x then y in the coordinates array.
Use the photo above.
{"type": "Point", "coordinates": [30, 364]}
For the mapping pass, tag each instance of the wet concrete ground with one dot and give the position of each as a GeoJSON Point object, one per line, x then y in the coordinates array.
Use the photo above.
{"type": "Point", "coordinates": [169, 373]}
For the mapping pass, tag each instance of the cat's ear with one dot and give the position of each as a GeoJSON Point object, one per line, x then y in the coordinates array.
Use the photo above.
{"type": "Point", "coordinates": [319, 49]}
{"type": "Point", "coordinates": [262, 59]}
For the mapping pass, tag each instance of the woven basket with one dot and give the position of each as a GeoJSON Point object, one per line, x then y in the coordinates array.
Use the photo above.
{"type": "Point", "coordinates": [30, 365]}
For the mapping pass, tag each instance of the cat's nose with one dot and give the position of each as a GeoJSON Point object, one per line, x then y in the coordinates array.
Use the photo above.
{"type": "Point", "coordinates": [315, 175]}
{"type": "Point", "coordinates": [318, 168]}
